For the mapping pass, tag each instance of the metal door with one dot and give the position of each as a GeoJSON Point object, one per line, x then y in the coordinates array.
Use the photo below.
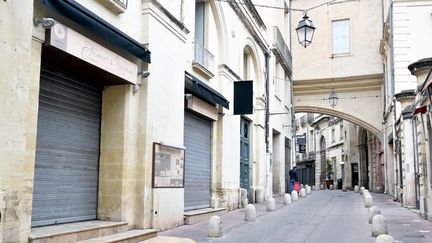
{"type": "Point", "coordinates": [354, 175]}
{"type": "Point", "coordinates": [244, 153]}
{"type": "Point", "coordinates": [197, 139]}
{"type": "Point", "coordinates": [67, 149]}
{"type": "Point", "coordinates": [287, 163]}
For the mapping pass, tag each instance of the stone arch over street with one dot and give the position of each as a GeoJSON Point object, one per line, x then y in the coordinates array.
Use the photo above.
{"type": "Point", "coordinates": [370, 125]}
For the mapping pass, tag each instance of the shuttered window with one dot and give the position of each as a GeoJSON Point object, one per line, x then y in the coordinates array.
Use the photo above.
{"type": "Point", "coordinates": [341, 36]}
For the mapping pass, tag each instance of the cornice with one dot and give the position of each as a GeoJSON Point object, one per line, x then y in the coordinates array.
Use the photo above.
{"type": "Point", "coordinates": [410, 93]}
{"type": "Point", "coordinates": [248, 25]}
{"type": "Point", "coordinates": [344, 84]}
{"type": "Point", "coordinates": [420, 64]}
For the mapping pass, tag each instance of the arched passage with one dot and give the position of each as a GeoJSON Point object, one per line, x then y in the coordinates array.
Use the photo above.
{"type": "Point", "coordinates": [336, 113]}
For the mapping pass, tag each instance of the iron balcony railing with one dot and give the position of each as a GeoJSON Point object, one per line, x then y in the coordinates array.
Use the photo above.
{"type": "Point", "coordinates": [282, 51]}
{"type": "Point", "coordinates": [203, 56]}
{"type": "Point", "coordinates": [123, 3]}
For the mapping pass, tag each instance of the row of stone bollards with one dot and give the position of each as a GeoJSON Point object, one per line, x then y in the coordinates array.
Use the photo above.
{"type": "Point", "coordinates": [215, 222]}
{"type": "Point", "coordinates": [379, 224]}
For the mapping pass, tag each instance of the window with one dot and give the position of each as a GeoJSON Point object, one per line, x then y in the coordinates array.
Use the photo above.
{"type": "Point", "coordinates": [333, 135]}
{"type": "Point", "coordinates": [340, 36]}
{"type": "Point", "coordinates": [204, 59]}
{"type": "Point", "coordinates": [341, 133]}
{"type": "Point", "coordinates": [199, 32]}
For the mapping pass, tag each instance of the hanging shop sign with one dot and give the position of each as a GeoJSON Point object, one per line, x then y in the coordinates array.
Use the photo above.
{"type": "Point", "coordinates": [77, 45]}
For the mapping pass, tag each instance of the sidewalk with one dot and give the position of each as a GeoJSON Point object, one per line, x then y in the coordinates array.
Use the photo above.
{"type": "Point", "coordinates": [231, 220]}
{"type": "Point", "coordinates": [403, 224]}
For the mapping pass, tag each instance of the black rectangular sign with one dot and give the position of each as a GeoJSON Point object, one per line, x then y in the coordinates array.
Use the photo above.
{"type": "Point", "coordinates": [243, 97]}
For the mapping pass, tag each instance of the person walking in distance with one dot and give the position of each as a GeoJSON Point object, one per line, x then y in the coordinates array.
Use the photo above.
{"type": "Point", "coordinates": [293, 177]}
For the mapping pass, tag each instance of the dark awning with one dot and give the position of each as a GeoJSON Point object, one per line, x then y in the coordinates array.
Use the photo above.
{"type": "Point", "coordinates": [204, 91]}
{"type": "Point", "coordinates": [82, 16]}
{"type": "Point", "coordinates": [420, 109]}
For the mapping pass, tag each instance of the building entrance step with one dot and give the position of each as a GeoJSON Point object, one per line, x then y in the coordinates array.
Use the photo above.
{"type": "Point", "coordinates": [72, 232]}
{"type": "Point", "coordinates": [199, 215]}
{"type": "Point", "coordinates": [131, 236]}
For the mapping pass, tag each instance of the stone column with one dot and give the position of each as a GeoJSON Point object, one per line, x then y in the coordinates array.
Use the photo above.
{"type": "Point", "coordinates": [421, 70]}
{"type": "Point", "coordinates": [406, 98]}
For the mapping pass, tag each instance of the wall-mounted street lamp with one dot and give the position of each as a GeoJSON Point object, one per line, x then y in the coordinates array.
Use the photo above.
{"type": "Point", "coordinates": [333, 99]}
{"type": "Point", "coordinates": [305, 31]}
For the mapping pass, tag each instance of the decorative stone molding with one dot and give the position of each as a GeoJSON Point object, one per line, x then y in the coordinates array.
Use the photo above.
{"type": "Point", "coordinates": [242, 16]}
{"type": "Point", "coordinates": [170, 16]}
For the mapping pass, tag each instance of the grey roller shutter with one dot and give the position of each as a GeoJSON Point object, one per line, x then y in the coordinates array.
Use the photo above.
{"type": "Point", "coordinates": [67, 149]}
{"type": "Point", "coordinates": [197, 139]}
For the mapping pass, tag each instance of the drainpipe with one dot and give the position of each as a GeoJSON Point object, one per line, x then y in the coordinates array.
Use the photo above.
{"type": "Point", "coordinates": [391, 51]}
{"type": "Point", "coordinates": [394, 150]}
{"type": "Point", "coordinates": [267, 120]}
{"type": "Point", "coordinates": [385, 184]}
{"type": "Point", "coordinates": [414, 138]}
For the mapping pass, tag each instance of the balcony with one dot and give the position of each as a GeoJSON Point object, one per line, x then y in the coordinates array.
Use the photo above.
{"type": "Point", "coordinates": [117, 6]}
{"type": "Point", "coordinates": [311, 154]}
{"type": "Point", "coordinates": [281, 50]}
{"type": "Point", "coordinates": [203, 60]}
{"type": "Point", "coordinates": [123, 3]}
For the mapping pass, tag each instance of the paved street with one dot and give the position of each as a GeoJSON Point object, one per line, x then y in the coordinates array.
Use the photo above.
{"type": "Point", "coordinates": [324, 216]}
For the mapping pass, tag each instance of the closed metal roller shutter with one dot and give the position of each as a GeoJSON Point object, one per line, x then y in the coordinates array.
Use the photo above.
{"type": "Point", "coordinates": [67, 149]}
{"type": "Point", "coordinates": [197, 139]}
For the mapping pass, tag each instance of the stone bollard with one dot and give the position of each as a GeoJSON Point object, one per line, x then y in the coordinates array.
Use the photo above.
{"type": "Point", "coordinates": [379, 225]}
{"type": "Point", "coordinates": [259, 195]}
{"type": "Point", "coordinates": [362, 189]}
{"type": "Point", "coordinates": [331, 187]}
{"type": "Point", "coordinates": [243, 197]}
{"type": "Point", "coordinates": [308, 190]}
{"type": "Point", "coordinates": [344, 188]}
{"type": "Point", "coordinates": [368, 202]}
{"type": "Point", "coordinates": [374, 210]}
{"type": "Point", "coordinates": [294, 196]}
{"type": "Point", "coordinates": [384, 239]}
{"type": "Point", "coordinates": [366, 192]}
{"type": "Point", "coordinates": [287, 198]}
{"type": "Point", "coordinates": [250, 213]}
{"type": "Point", "coordinates": [321, 187]}
{"type": "Point", "coordinates": [215, 227]}
{"type": "Point", "coordinates": [244, 202]}
{"type": "Point", "coordinates": [356, 188]}
{"type": "Point", "coordinates": [302, 192]}
{"type": "Point", "coordinates": [313, 188]}
{"type": "Point", "coordinates": [270, 205]}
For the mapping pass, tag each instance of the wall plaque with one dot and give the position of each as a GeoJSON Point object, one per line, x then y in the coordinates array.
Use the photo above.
{"type": "Point", "coordinates": [168, 166]}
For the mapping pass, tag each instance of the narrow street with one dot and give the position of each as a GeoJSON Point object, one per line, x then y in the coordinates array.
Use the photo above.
{"type": "Point", "coordinates": [324, 216]}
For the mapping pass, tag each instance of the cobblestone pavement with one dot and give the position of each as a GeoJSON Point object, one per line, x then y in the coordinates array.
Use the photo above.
{"type": "Point", "coordinates": [324, 216]}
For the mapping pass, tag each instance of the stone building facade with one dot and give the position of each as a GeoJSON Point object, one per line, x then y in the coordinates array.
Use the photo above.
{"type": "Point", "coordinates": [403, 50]}
{"type": "Point", "coordinates": [95, 90]}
